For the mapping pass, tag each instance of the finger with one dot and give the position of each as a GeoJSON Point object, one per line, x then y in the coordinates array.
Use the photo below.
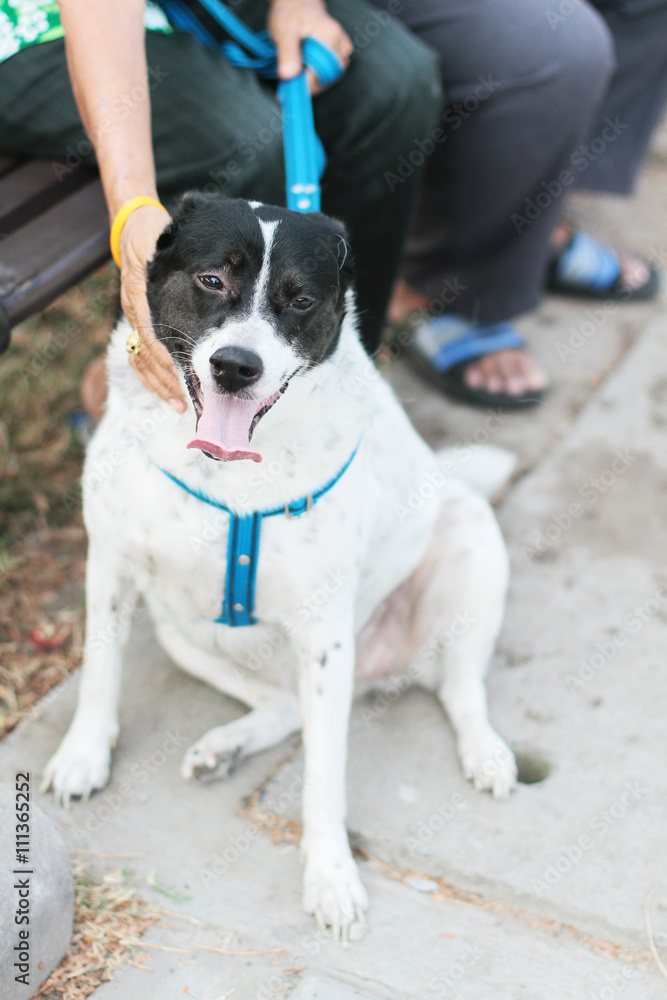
{"type": "Point", "coordinates": [342, 45]}
{"type": "Point", "coordinates": [153, 358]}
{"type": "Point", "coordinates": [288, 43]}
{"type": "Point", "coordinates": [150, 380]}
{"type": "Point", "coordinates": [133, 296]}
{"type": "Point", "coordinates": [314, 85]}
{"type": "Point", "coordinates": [154, 354]}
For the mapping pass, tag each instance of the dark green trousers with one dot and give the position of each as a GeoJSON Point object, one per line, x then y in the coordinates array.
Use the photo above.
{"type": "Point", "coordinates": [217, 128]}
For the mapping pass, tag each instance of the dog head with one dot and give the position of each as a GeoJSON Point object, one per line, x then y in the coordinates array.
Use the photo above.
{"type": "Point", "coordinates": [245, 296]}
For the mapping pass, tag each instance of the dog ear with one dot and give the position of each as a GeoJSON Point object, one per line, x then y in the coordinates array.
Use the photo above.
{"type": "Point", "coordinates": [345, 261]}
{"type": "Point", "coordinates": [166, 237]}
{"type": "Point", "coordinates": [195, 199]}
{"type": "Point", "coordinates": [338, 242]}
{"type": "Point", "coordinates": [186, 204]}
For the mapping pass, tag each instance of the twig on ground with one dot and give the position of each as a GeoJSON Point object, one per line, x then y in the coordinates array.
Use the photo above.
{"type": "Point", "coordinates": [649, 933]}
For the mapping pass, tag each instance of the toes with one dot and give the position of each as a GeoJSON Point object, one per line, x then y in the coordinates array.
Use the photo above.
{"type": "Point", "coordinates": [490, 765]}
{"type": "Point", "coordinates": [205, 763]}
{"type": "Point", "coordinates": [634, 272]}
{"type": "Point", "coordinates": [474, 376]}
{"type": "Point", "coordinates": [511, 371]}
{"type": "Point", "coordinates": [74, 774]}
{"type": "Point", "coordinates": [336, 897]}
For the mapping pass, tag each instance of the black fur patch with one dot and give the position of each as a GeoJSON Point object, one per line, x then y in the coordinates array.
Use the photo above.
{"type": "Point", "coordinates": [207, 262]}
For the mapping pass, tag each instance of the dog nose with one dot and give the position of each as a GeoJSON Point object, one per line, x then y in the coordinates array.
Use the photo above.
{"type": "Point", "coordinates": [235, 368]}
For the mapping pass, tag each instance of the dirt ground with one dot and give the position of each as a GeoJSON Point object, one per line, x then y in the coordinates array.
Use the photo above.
{"type": "Point", "coordinates": [42, 540]}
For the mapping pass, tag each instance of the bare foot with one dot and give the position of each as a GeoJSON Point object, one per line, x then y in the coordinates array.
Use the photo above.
{"type": "Point", "coordinates": [512, 371]}
{"type": "Point", "coordinates": [94, 388]}
{"type": "Point", "coordinates": [634, 271]}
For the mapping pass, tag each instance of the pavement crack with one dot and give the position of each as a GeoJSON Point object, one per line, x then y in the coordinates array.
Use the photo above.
{"type": "Point", "coordinates": [448, 893]}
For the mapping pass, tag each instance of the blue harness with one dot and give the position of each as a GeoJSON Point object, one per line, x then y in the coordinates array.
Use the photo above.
{"type": "Point", "coordinates": [304, 165]}
{"type": "Point", "coordinates": [243, 546]}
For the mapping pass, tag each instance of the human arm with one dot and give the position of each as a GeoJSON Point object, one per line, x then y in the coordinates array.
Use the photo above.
{"type": "Point", "coordinates": [106, 57]}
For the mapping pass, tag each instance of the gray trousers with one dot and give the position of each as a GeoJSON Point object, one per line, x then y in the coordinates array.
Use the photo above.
{"type": "Point", "coordinates": [543, 96]}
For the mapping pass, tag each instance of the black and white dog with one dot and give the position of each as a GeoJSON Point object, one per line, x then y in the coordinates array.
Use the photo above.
{"type": "Point", "coordinates": [359, 583]}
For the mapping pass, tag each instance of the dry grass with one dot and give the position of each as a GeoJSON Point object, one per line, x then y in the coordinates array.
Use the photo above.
{"type": "Point", "coordinates": [109, 918]}
{"type": "Point", "coordinates": [42, 542]}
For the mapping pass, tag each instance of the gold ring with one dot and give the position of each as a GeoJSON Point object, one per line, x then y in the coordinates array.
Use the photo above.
{"type": "Point", "coordinates": [133, 343]}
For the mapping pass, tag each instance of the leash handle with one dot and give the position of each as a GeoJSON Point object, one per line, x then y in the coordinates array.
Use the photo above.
{"type": "Point", "coordinates": [304, 154]}
{"type": "Point", "coordinates": [305, 158]}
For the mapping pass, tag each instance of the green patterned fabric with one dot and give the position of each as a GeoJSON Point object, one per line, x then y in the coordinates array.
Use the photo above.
{"type": "Point", "coordinates": [28, 22]}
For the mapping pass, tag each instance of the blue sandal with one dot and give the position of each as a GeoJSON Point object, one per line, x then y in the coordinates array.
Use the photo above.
{"type": "Point", "coordinates": [584, 267]}
{"type": "Point", "coordinates": [442, 348]}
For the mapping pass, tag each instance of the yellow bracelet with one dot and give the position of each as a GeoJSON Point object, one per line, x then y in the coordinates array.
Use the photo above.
{"type": "Point", "coordinates": [121, 218]}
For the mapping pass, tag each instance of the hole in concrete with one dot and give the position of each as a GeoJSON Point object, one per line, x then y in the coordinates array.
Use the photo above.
{"type": "Point", "coordinates": [532, 766]}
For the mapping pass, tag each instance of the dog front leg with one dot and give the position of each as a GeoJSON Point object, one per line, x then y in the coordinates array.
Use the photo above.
{"type": "Point", "coordinates": [82, 762]}
{"type": "Point", "coordinates": [333, 890]}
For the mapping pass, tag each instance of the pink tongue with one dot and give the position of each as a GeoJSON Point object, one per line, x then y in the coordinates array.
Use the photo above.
{"type": "Point", "coordinates": [223, 430]}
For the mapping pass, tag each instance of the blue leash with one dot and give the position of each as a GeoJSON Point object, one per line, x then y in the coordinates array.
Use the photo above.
{"type": "Point", "coordinates": [304, 155]}
{"type": "Point", "coordinates": [243, 546]}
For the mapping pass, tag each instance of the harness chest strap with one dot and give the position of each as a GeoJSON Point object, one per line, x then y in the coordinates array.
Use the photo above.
{"type": "Point", "coordinates": [243, 546]}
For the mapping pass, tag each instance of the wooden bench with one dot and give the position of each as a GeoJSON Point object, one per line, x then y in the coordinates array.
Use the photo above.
{"type": "Point", "coordinates": [54, 230]}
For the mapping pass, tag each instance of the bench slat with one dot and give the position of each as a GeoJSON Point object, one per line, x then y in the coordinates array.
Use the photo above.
{"type": "Point", "coordinates": [50, 254]}
{"type": "Point", "coordinates": [7, 163]}
{"type": "Point", "coordinates": [32, 187]}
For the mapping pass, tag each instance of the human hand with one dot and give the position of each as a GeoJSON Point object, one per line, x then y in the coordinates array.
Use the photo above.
{"type": "Point", "coordinates": [290, 21]}
{"type": "Point", "coordinates": [153, 362]}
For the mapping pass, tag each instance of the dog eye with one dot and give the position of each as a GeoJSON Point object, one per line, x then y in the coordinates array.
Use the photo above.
{"type": "Point", "coordinates": [210, 281]}
{"type": "Point", "coordinates": [301, 304]}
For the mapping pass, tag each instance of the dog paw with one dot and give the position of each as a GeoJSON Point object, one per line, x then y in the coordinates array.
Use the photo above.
{"type": "Point", "coordinates": [213, 757]}
{"type": "Point", "coordinates": [80, 766]}
{"type": "Point", "coordinates": [334, 893]}
{"type": "Point", "coordinates": [489, 764]}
